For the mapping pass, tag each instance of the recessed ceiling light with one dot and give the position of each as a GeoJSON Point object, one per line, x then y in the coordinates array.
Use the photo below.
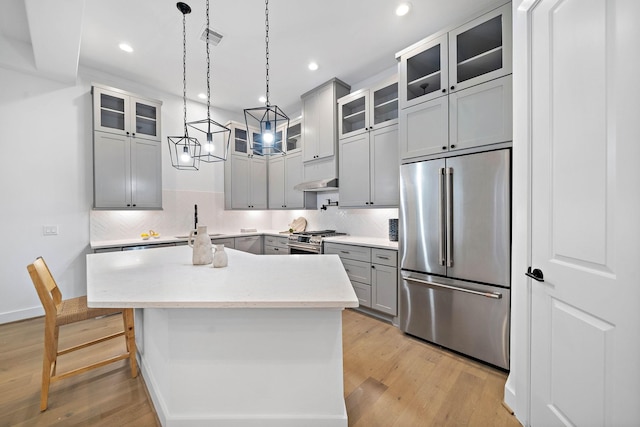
{"type": "Point", "coordinates": [125, 47]}
{"type": "Point", "coordinates": [403, 9]}
{"type": "Point", "coordinates": [313, 66]}
{"type": "Point", "coordinates": [202, 95]}
{"type": "Point", "coordinates": [262, 99]}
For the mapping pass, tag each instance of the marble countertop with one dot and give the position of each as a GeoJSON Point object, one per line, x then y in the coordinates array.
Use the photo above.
{"type": "Point", "coordinates": [374, 242]}
{"type": "Point", "coordinates": [165, 277]}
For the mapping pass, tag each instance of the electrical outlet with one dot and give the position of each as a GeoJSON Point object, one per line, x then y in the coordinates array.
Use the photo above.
{"type": "Point", "coordinates": [49, 230]}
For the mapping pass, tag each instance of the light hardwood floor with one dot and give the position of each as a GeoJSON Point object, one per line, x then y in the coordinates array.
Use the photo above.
{"type": "Point", "coordinates": [390, 380]}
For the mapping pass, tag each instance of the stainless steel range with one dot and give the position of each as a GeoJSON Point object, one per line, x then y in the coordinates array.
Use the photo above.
{"type": "Point", "coordinates": [309, 242]}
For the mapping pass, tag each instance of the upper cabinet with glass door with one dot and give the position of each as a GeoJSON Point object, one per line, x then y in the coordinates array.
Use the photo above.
{"type": "Point", "coordinates": [473, 53]}
{"type": "Point", "coordinates": [294, 136]}
{"type": "Point", "coordinates": [119, 112]}
{"type": "Point", "coordinates": [368, 109]}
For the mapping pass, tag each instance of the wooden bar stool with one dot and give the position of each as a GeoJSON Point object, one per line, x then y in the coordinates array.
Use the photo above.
{"type": "Point", "coordinates": [60, 312]}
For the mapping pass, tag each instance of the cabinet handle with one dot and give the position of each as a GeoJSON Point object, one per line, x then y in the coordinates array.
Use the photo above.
{"type": "Point", "coordinates": [373, 266]}
{"type": "Point", "coordinates": [128, 205]}
{"type": "Point", "coordinates": [453, 87]}
{"type": "Point", "coordinates": [127, 133]}
{"type": "Point", "coordinates": [444, 90]}
{"type": "Point", "coordinates": [133, 134]}
{"type": "Point", "coordinates": [453, 146]}
{"type": "Point", "coordinates": [345, 252]}
{"type": "Point", "coordinates": [134, 205]}
{"type": "Point", "coordinates": [444, 147]}
{"type": "Point", "coordinates": [382, 257]}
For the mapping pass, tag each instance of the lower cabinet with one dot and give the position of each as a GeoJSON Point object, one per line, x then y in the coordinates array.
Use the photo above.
{"type": "Point", "coordinates": [228, 242]}
{"type": "Point", "coordinates": [276, 245]}
{"type": "Point", "coordinates": [373, 273]}
{"type": "Point", "coordinates": [252, 244]}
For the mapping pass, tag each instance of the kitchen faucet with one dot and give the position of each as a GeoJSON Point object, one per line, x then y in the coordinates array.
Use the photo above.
{"type": "Point", "coordinates": [195, 218]}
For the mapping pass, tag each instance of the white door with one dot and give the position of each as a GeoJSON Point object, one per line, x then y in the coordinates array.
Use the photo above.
{"type": "Point", "coordinates": [276, 182]}
{"type": "Point", "coordinates": [354, 171]}
{"type": "Point", "coordinates": [585, 218]}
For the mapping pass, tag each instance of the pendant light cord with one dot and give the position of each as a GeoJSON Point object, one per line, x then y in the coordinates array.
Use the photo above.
{"type": "Point", "coordinates": [208, 71]}
{"type": "Point", "coordinates": [184, 69]}
{"type": "Point", "coordinates": [266, 39]}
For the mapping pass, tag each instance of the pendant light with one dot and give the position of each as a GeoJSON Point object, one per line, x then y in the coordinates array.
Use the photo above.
{"type": "Point", "coordinates": [268, 118]}
{"type": "Point", "coordinates": [216, 145]}
{"type": "Point", "coordinates": [184, 151]}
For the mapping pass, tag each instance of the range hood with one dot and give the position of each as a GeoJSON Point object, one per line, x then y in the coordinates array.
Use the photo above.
{"type": "Point", "coordinates": [330, 184]}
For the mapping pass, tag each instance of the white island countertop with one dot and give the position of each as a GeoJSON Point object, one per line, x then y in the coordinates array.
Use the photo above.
{"type": "Point", "coordinates": [165, 277]}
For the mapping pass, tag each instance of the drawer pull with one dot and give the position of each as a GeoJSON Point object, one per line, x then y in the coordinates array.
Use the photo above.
{"type": "Point", "coordinates": [345, 252]}
{"type": "Point", "coordinates": [382, 257]}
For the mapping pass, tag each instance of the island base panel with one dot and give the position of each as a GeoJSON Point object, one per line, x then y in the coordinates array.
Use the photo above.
{"type": "Point", "coordinates": [243, 367]}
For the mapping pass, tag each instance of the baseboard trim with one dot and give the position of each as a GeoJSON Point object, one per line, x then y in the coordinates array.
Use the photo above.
{"type": "Point", "coordinates": [27, 313]}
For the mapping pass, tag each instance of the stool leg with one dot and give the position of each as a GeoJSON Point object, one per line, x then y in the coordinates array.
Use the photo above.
{"type": "Point", "coordinates": [49, 359]}
{"type": "Point", "coordinates": [130, 337]}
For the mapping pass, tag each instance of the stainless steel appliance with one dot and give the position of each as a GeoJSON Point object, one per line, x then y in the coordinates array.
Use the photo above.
{"type": "Point", "coordinates": [309, 242]}
{"type": "Point", "coordinates": [455, 249]}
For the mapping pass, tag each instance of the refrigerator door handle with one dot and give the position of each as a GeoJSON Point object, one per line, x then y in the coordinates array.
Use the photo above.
{"type": "Point", "coordinates": [449, 215]}
{"type": "Point", "coordinates": [494, 295]}
{"type": "Point", "coordinates": [441, 219]}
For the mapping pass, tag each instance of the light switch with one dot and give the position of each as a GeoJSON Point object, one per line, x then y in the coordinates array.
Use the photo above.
{"type": "Point", "coordinates": [49, 230]}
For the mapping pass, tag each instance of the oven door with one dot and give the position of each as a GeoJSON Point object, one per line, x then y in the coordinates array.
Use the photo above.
{"type": "Point", "coordinates": [303, 249]}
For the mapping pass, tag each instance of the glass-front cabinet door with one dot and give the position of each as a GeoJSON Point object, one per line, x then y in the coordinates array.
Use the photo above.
{"type": "Point", "coordinates": [111, 111]}
{"type": "Point", "coordinates": [353, 113]}
{"type": "Point", "coordinates": [146, 120]}
{"type": "Point", "coordinates": [294, 136]}
{"type": "Point", "coordinates": [239, 140]}
{"type": "Point", "coordinates": [384, 104]}
{"type": "Point", "coordinates": [424, 72]}
{"type": "Point", "coordinates": [480, 50]}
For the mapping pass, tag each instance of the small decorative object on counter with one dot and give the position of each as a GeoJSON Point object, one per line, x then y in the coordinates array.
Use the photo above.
{"type": "Point", "coordinates": [393, 230]}
{"type": "Point", "coordinates": [201, 244]}
{"type": "Point", "coordinates": [220, 258]}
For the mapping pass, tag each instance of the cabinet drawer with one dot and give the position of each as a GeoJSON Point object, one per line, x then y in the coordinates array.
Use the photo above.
{"type": "Point", "coordinates": [358, 271]}
{"type": "Point", "coordinates": [278, 241]}
{"type": "Point", "coordinates": [358, 253]}
{"type": "Point", "coordinates": [363, 292]}
{"type": "Point", "coordinates": [275, 250]}
{"type": "Point", "coordinates": [228, 242]}
{"type": "Point", "coordinates": [384, 256]}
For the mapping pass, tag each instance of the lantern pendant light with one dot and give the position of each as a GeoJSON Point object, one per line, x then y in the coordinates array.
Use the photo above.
{"type": "Point", "coordinates": [216, 145]}
{"type": "Point", "coordinates": [268, 118]}
{"type": "Point", "coordinates": [184, 150]}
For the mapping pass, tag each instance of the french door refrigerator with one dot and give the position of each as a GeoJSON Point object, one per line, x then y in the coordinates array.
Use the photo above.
{"type": "Point", "coordinates": [455, 248]}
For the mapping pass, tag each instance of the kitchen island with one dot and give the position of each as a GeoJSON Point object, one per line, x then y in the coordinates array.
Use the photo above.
{"type": "Point", "coordinates": [258, 343]}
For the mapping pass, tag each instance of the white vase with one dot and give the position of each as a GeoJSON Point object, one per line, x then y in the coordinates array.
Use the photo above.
{"type": "Point", "coordinates": [201, 245]}
{"type": "Point", "coordinates": [220, 257]}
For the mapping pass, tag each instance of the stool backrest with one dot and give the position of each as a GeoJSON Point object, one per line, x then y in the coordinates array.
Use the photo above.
{"type": "Point", "coordinates": [45, 284]}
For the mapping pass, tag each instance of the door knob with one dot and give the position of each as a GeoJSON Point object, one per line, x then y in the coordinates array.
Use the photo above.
{"type": "Point", "coordinates": [536, 274]}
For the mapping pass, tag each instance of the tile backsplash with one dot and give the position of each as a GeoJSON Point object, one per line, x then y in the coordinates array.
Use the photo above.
{"type": "Point", "coordinates": [177, 218]}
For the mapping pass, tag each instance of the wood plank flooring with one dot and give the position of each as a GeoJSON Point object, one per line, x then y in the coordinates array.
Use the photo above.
{"type": "Point", "coordinates": [390, 379]}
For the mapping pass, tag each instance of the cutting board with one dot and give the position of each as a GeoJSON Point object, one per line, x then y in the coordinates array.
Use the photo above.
{"type": "Point", "coordinates": [298, 224]}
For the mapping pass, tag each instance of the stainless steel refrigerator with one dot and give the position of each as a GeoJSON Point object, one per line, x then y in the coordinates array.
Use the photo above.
{"type": "Point", "coordinates": [455, 248]}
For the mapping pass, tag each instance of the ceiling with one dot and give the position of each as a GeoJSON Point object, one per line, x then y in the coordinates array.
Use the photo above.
{"type": "Point", "coordinates": [349, 39]}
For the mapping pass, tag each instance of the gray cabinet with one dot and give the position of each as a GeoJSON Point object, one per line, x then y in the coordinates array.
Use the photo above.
{"type": "Point", "coordinates": [276, 245]}
{"type": "Point", "coordinates": [369, 169]}
{"type": "Point", "coordinates": [373, 273]}
{"type": "Point", "coordinates": [455, 88]}
{"type": "Point", "coordinates": [473, 53]}
{"type": "Point", "coordinates": [319, 119]}
{"type": "Point", "coordinates": [285, 172]}
{"type": "Point", "coordinates": [369, 164]}
{"type": "Point", "coordinates": [123, 113]}
{"type": "Point", "coordinates": [228, 242]}
{"type": "Point", "coordinates": [127, 166]}
{"type": "Point", "coordinates": [251, 244]}
{"type": "Point", "coordinates": [245, 174]}
{"type": "Point", "coordinates": [480, 115]}
{"type": "Point", "coordinates": [368, 109]}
